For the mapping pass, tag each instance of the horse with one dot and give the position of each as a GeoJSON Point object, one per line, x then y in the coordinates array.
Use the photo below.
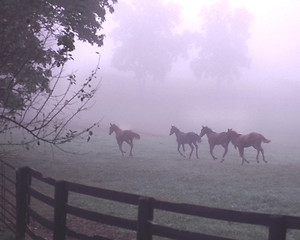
{"type": "Point", "coordinates": [253, 139]}
{"type": "Point", "coordinates": [123, 135]}
{"type": "Point", "coordinates": [190, 138]}
{"type": "Point", "coordinates": [216, 139]}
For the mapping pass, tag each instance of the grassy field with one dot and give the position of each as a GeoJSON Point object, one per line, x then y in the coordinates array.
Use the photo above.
{"type": "Point", "coordinates": [157, 170]}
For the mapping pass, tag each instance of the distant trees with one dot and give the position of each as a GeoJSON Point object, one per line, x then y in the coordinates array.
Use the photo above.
{"type": "Point", "coordinates": [146, 41]}
{"type": "Point", "coordinates": [222, 46]}
{"type": "Point", "coordinates": [37, 38]}
{"type": "Point", "coordinates": [148, 45]}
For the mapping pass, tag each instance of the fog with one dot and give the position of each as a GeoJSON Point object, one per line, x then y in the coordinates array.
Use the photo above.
{"type": "Point", "coordinates": [264, 97]}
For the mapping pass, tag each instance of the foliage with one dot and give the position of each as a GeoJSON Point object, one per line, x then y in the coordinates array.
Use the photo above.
{"type": "Point", "coordinates": [223, 43]}
{"type": "Point", "coordinates": [37, 38]}
{"type": "Point", "coordinates": [146, 42]}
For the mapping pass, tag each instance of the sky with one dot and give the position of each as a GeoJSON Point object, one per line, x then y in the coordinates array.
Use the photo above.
{"type": "Point", "coordinates": [264, 98]}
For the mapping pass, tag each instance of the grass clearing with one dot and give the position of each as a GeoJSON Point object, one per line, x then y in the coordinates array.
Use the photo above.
{"type": "Point", "coordinates": [157, 170]}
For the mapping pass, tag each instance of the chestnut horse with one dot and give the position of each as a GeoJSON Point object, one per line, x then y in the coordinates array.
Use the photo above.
{"type": "Point", "coordinates": [216, 139]}
{"type": "Point", "coordinates": [123, 135]}
{"type": "Point", "coordinates": [249, 140]}
{"type": "Point", "coordinates": [190, 138]}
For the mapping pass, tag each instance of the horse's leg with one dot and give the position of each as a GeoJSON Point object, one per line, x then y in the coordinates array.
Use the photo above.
{"type": "Point", "coordinates": [211, 148]}
{"type": "Point", "coordinates": [259, 149]}
{"type": "Point", "coordinates": [262, 153]}
{"type": "Point", "coordinates": [131, 146]}
{"type": "Point", "coordinates": [183, 147]}
{"type": "Point", "coordinates": [192, 149]}
{"type": "Point", "coordinates": [225, 146]}
{"type": "Point", "coordinates": [120, 147]}
{"type": "Point", "coordinates": [196, 145]}
{"type": "Point", "coordinates": [241, 150]}
{"type": "Point", "coordinates": [257, 155]}
{"type": "Point", "coordinates": [178, 148]}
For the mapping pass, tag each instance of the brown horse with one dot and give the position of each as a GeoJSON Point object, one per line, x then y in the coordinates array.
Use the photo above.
{"type": "Point", "coordinates": [190, 138]}
{"type": "Point", "coordinates": [123, 135]}
{"type": "Point", "coordinates": [249, 140]}
{"type": "Point", "coordinates": [216, 139]}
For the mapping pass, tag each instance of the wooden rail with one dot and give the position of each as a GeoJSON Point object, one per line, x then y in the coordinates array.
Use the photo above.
{"type": "Point", "coordinates": [144, 226]}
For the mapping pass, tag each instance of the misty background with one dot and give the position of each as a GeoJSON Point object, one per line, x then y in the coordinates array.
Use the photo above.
{"type": "Point", "coordinates": [222, 64]}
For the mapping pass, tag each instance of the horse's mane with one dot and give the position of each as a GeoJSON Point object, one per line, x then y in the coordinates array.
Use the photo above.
{"type": "Point", "coordinates": [210, 130]}
{"type": "Point", "coordinates": [207, 130]}
{"type": "Point", "coordinates": [236, 135]}
{"type": "Point", "coordinates": [177, 129]}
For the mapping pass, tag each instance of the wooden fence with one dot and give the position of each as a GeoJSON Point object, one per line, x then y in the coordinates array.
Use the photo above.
{"type": "Point", "coordinates": [8, 195]}
{"type": "Point", "coordinates": [144, 225]}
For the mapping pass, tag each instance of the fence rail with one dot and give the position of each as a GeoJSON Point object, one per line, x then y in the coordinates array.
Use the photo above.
{"type": "Point", "coordinates": [144, 226]}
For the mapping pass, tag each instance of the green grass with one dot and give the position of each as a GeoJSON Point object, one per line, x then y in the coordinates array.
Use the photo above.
{"type": "Point", "coordinates": [157, 170]}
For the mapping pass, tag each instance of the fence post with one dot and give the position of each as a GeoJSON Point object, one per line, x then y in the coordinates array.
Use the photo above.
{"type": "Point", "coordinates": [3, 189]}
{"type": "Point", "coordinates": [22, 200]}
{"type": "Point", "coordinates": [145, 214]}
{"type": "Point", "coordinates": [277, 228]}
{"type": "Point", "coordinates": [61, 199]}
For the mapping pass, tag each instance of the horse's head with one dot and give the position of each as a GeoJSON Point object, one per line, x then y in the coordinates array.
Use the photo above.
{"type": "Point", "coordinates": [112, 128]}
{"type": "Point", "coordinates": [230, 132]}
{"type": "Point", "coordinates": [232, 135]}
{"type": "Point", "coordinates": [204, 130]}
{"type": "Point", "coordinates": [173, 130]}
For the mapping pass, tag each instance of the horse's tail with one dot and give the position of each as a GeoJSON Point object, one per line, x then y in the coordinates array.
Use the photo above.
{"type": "Point", "coordinates": [136, 136]}
{"type": "Point", "coordinates": [265, 140]}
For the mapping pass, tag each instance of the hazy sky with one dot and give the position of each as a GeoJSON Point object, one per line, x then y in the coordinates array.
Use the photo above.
{"type": "Point", "coordinates": [267, 91]}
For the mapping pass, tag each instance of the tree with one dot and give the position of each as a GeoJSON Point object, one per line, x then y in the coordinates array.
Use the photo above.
{"type": "Point", "coordinates": [222, 43]}
{"type": "Point", "coordinates": [147, 44]}
{"type": "Point", "coordinates": [37, 38]}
